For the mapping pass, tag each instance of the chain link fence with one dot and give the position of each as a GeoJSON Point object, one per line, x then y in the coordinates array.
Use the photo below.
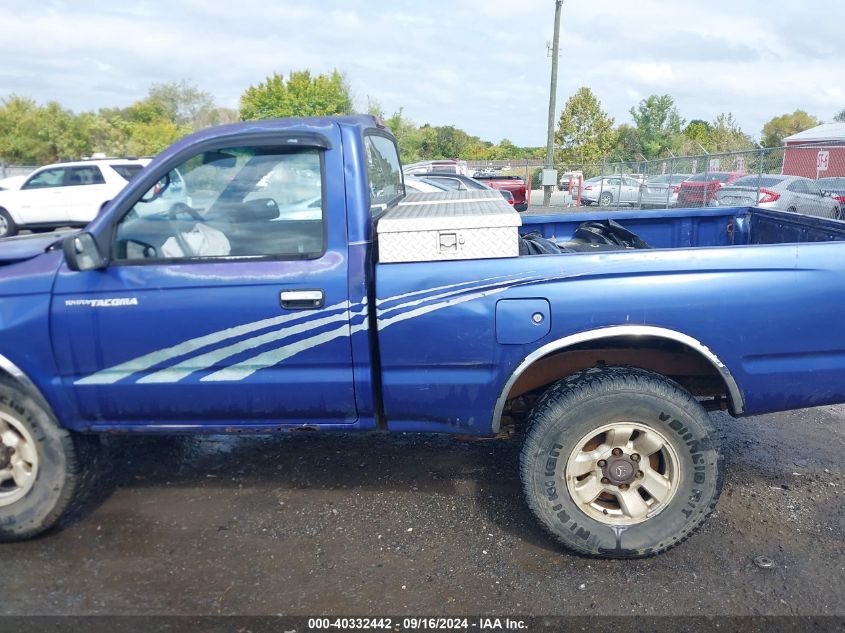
{"type": "Point", "coordinates": [7, 171]}
{"type": "Point", "coordinates": [802, 178]}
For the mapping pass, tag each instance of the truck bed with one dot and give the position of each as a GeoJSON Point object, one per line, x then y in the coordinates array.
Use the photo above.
{"type": "Point", "coordinates": [692, 228]}
{"type": "Point", "coordinates": [751, 287]}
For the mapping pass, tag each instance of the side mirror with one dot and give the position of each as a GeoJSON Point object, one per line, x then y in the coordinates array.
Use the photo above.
{"type": "Point", "coordinates": [82, 253]}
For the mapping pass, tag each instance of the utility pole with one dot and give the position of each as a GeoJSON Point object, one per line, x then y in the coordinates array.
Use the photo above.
{"type": "Point", "coordinates": [550, 139]}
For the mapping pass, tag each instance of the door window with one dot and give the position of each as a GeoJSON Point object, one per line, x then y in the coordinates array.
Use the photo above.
{"type": "Point", "coordinates": [799, 186]}
{"type": "Point", "coordinates": [264, 202]}
{"type": "Point", "coordinates": [813, 188]}
{"type": "Point", "coordinates": [89, 175]}
{"type": "Point", "coordinates": [47, 178]}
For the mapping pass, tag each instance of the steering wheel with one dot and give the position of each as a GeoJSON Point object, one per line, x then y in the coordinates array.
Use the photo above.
{"type": "Point", "coordinates": [181, 207]}
{"type": "Point", "coordinates": [175, 210]}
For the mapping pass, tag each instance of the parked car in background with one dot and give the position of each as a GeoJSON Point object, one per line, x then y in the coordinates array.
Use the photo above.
{"type": "Point", "coordinates": [835, 186]}
{"type": "Point", "coordinates": [452, 166]}
{"type": "Point", "coordinates": [508, 196]}
{"type": "Point", "coordinates": [699, 190]}
{"type": "Point", "coordinates": [514, 184]}
{"type": "Point", "coordinates": [662, 191]}
{"type": "Point", "coordinates": [569, 177]}
{"type": "Point", "coordinates": [12, 182]}
{"type": "Point", "coordinates": [457, 182]}
{"type": "Point", "coordinates": [788, 193]}
{"type": "Point", "coordinates": [610, 190]}
{"type": "Point", "coordinates": [578, 189]}
{"type": "Point", "coordinates": [65, 194]}
{"type": "Point", "coordinates": [418, 185]}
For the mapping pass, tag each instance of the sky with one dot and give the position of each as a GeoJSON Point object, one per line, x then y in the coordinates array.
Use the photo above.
{"type": "Point", "coordinates": [479, 65]}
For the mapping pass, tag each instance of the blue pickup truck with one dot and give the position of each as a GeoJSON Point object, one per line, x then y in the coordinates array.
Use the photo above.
{"type": "Point", "coordinates": [260, 299]}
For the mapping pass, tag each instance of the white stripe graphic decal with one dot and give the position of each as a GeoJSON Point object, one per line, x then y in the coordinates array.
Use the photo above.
{"type": "Point", "coordinates": [209, 359]}
{"type": "Point", "coordinates": [451, 293]}
{"type": "Point", "coordinates": [246, 368]}
{"type": "Point", "coordinates": [465, 291]}
{"type": "Point", "coordinates": [446, 287]}
{"type": "Point", "coordinates": [111, 375]}
{"type": "Point", "coordinates": [432, 307]}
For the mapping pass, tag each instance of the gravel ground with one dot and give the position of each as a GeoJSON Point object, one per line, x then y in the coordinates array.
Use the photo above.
{"type": "Point", "coordinates": [405, 524]}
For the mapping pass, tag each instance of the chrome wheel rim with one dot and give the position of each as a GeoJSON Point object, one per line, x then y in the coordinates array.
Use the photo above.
{"type": "Point", "coordinates": [18, 460]}
{"type": "Point", "coordinates": [623, 473]}
{"type": "Point", "coordinates": [4, 225]}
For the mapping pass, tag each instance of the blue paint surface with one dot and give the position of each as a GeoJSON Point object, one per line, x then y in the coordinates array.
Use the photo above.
{"type": "Point", "coordinates": [422, 346]}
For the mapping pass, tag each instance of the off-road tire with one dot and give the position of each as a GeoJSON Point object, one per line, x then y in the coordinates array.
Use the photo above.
{"type": "Point", "coordinates": [573, 408]}
{"type": "Point", "coordinates": [67, 465]}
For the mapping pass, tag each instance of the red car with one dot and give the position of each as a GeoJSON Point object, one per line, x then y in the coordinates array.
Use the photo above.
{"type": "Point", "coordinates": [701, 189]}
{"type": "Point", "coordinates": [514, 184]}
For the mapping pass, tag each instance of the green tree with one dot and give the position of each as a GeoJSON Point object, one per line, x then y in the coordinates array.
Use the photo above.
{"type": "Point", "coordinates": [840, 117]}
{"type": "Point", "coordinates": [374, 107]}
{"type": "Point", "coordinates": [584, 130]}
{"type": "Point", "coordinates": [698, 130]}
{"type": "Point", "coordinates": [627, 143]}
{"type": "Point", "coordinates": [298, 95]}
{"type": "Point", "coordinates": [33, 134]}
{"type": "Point", "coordinates": [659, 125]}
{"type": "Point", "coordinates": [779, 127]}
{"type": "Point", "coordinates": [406, 135]}
{"type": "Point", "coordinates": [182, 102]}
{"type": "Point", "coordinates": [725, 135]}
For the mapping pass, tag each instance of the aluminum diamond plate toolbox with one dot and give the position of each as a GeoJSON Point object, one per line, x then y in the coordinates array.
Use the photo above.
{"type": "Point", "coordinates": [427, 227]}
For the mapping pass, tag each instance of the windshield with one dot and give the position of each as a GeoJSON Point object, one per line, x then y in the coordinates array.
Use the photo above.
{"type": "Point", "coordinates": [755, 181]}
{"type": "Point", "coordinates": [711, 176]}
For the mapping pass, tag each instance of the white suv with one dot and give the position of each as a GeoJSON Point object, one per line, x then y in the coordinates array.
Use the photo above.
{"type": "Point", "coordinates": [65, 194]}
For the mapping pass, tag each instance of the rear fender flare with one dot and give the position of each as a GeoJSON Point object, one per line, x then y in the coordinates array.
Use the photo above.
{"type": "Point", "coordinates": [737, 402]}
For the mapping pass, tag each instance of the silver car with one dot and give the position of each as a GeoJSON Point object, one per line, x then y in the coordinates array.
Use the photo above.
{"type": "Point", "coordinates": [787, 193]}
{"type": "Point", "coordinates": [662, 191]}
{"type": "Point", "coordinates": [610, 191]}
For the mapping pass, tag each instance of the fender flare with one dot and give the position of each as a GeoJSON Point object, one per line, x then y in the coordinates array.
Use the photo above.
{"type": "Point", "coordinates": [26, 382]}
{"type": "Point", "coordinates": [737, 402]}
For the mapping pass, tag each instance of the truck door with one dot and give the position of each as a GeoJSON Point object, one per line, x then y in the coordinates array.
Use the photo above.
{"type": "Point", "coordinates": [227, 307]}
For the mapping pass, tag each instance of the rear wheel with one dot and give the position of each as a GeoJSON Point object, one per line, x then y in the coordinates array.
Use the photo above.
{"type": "Point", "coordinates": [8, 228]}
{"type": "Point", "coordinates": [620, 463]}
{"type": "Point", "coordinates": [792, 209]}
{"type": "Point", "coordinates": [44, 469]}
{"type": "Point", "coordinates": [606, 199]}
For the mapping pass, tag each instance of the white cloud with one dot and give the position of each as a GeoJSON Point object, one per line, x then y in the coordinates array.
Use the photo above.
{"type": "Point", "coordinates": [651, 73]}
{"type": "Point", "coordinates": [479, 66]}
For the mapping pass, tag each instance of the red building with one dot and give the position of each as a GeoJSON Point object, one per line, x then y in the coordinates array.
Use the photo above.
{"type": "Point", "coordinates": [816, 153]}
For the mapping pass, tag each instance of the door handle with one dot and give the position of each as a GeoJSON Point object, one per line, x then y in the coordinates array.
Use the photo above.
{"type": "Point", "coordinates": [301, 299]}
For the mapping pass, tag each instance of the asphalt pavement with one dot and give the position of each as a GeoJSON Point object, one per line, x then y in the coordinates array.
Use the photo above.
{"type": "Point", "coordinates": [302, 524]}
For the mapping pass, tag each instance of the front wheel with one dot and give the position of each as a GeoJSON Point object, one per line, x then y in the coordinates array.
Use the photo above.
{"type": "Point", "coordinates": [44, 469]}
{"type": "Point", "coordinates": [8, 228]}
{"type": "Point", "coordinates": [620, 463]}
